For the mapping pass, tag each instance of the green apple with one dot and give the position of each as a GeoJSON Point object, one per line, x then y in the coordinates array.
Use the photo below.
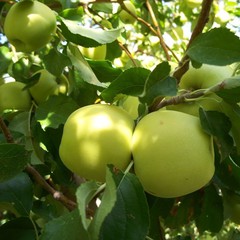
{"type": "Point", "coordinates": [204, 77]}
{"type": "Point", "coordinates": [48, 85]}
{"type": "Point", "coordinates": [13, 96]}
{"type": "Point", "coordinates": [130, 104]}
{"type": "Point", "coordinates": [94, 136]}
{"type": "Point", "coordinates": [29, 25]}
{"type": "Point", "coordinates": [124, 16]}
{"type": "Point", "coordinates": [95, 53]}
{"type": "Point", "coordinates": [193, 3]}
{"type": "Point", "coordinates": [172, 155]}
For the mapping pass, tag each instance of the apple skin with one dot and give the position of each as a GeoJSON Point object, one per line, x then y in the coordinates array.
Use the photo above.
{"type": "Point", "coordinates": [130, 104]}
{"type": "Point", "coordinates": [13, 97]}
{"type": "Point", "coordinates": [124, 16]}
{"type": "Point", "coordinates": [96, 53]}
{"type": "Point", "coordinates": [29, 25]}
{"type": "Point", "coordinates": [204, 77]}
{"type": "Point", "coordinates": [47, 85]}
{"type": "Point", "coordinates": [193, 3]}
{"type": "Point", "coordinates": [94, 136]}
{"type": "Point", "coordinates": [172, 155]}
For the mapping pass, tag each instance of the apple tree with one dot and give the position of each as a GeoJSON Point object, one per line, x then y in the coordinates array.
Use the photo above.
{"type": "Point", "coordinates": [119, 119]}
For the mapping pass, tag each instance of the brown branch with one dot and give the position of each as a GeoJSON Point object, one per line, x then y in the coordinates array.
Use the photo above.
{"type": "Point", "coordinates": [202, 20]}
{"type": "Point", "coordinates": [8, 136]}
{"type": "Point", "coordinates": [158, 32]}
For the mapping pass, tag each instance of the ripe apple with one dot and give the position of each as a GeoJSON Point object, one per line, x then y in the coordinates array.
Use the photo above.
{"type": "Point", "coordinates": [95, 53]}
{"type": "Point", "coordinates": [125, 16]}
{"type": "Point", "coordinates": [48, 85]}
{"type": "Point", "coordinates": [172, 155]}
{"type": "Point", "coordinates": [94, 136]}
{"type": "Point", "coordinates": [29, 25]}
{"type": "Point", "coordinates": [14, 97]}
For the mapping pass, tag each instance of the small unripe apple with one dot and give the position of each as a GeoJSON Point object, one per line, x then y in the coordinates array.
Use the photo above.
{"type": "Point", "coordinates": [29, 25]}
{"type": "Point", "coordinates": [48, 85]}
{"type": "Point", "coordinates": [125, 16]}
{"type": "Point", "coordinates": [13, 96]}
{"type": "Point", "coordinates": [130, 104]}
{"type": "Point", "coordinates": [95, 53]}
{"type": "Point", "coordinates": [172, 155]}
{"type": "Point", "coordinates": [94, 136]}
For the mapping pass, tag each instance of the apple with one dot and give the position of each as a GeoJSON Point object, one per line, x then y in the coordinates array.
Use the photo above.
{"type": "Point", "coordinates": [13, 96]}
{"type": "Point", "coordinates": [48, 85]}
{"type": "Point", "coordinates": [94, 136]}
{"type": "Point", "coordinates": [130, 104]}
{"type": "Point", "coordinates": [204, 77]}
{"type": "Point", "coordinates": [193, 3]}
{"type": "Point", "coordinates": [172, 155]}
{"type": "Point", "coordinates": [124, 16]}
{"type": "Point", "coordinates": [95, 53]}
{"type": "Point", "coordinates": [29, 25]}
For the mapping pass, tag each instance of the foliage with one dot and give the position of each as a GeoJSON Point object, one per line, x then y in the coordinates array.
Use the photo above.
{"type": "Point", "coordinates": [40, 198]}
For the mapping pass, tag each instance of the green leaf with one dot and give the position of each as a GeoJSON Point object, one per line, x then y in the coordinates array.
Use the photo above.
{"type": "Point", "coordinates": [84, 195]}
{"type": "Point", "coordinates": [59, 59]}
{"type": "Point", "coordinates": [13, 159]}
{"type": "Point", "coordinates": [218, 46]}
{"type": "Point", "coordinates": [107, 203]}
{"type": "Point", "coordinates": [79, 62]}
{"type": "Point", "coordinates": [230, 90]}
{"type": "Point", "coordinates": [55, 111]}
{"type": "Point", "coordinates": [104, 70]}
{"type": "Point", "coordinates": [211, 216]}
{"type": "Point", "coordinates": [159, 83]}
{"type": "Point", "coordinates": [19, 192]}
{"type": "Point", "coordinates": [218, 125]}
{"type": "Point", "coordinates": [5, 59]}
{"type": "Point", "coordinates": [19, 229]}
{"type": "Point", "coordinates": [66, 227]}
{"type": "Point", "coordinates": [129, 218]}
{"type": "Point", "coordinates": [86, 36]}
{"type": "Point", "coordinates": [130, 82]}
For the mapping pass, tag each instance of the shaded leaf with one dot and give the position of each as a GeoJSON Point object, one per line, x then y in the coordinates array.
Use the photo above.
{"type": "Point", "coordinates": [55, 111]}
{"type": "Point", "coordinates": [59, 59]}
{"type": "Point", "coordinates": [211, 216]}
{"type": "Point", "coordinates": [66, 227]}
{"type": "Point", "coordinates": [5, 58]}
{"type": "Point", "coordinates": [218, 125]}
{"type": "Point", "coordinates": [129, 82]}
{"type": "Point", "coordinates": [212, 48]}
{"type": "Point", "coordinates": [129, 218]}
{"type": "Point", "coordinates": [159, 83]}
{"type": "Point", "coordinates": [19, 229]}
{"type": "Point", "coordinates": [86, 36]}
{"type": "Point", "coordinates": [18, 191]}
{"type": "Point", "coordinates": [84, 194]}
{"type": "Point", "coordinates": [13, 159]}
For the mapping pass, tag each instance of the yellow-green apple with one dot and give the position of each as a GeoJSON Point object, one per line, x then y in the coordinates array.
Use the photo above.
{"type": "Point", "coordinates": [193, 3]}
{"type": "Point", "coordinates": [29, 25]}
{"type": "Point", "coordinates": [130, 104]}
{"type": "Point", "coordinates": [172, 155]}
{"type": "Point", "coordinates": [125, 16]}
{"type": "Point", "coordinates": [94, 136]}
{"type": "Point", "coordinates": [13, 96]}
{"type": "Point", "coordinates": [48, 85]}
{"type": "Point", "coordinates": [95, 53]}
